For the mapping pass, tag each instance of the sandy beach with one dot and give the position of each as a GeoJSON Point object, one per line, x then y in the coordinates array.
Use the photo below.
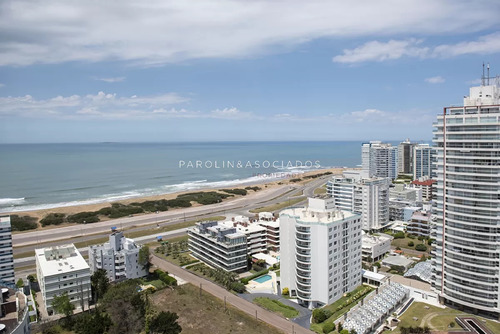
{"type": "Point", "coordinates": [68, 210]}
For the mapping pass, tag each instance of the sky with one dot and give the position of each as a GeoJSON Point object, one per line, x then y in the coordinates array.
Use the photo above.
{"type": "Point", "coordinates": [227, 70]}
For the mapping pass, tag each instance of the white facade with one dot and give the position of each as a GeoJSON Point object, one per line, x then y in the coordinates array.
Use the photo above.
{"type": "Point", "coordinates": [375, 246]}
{"type": "Point", "coordinates": [62, 269]}
{"type": "Point", "coordinates": [255, 233]}
{"type": "Point", "coordinates": [6, 256]}
{"type": "Point", "coordinates": [218, 245]}
{"type": "Point", "coordinates": [379, 159]}
{"type": "Point", "coordinates": [422, 160]}
{"type": "Point", "coordinates": [466, 262]}
{"type": "Point", "coordinates": [369, 197]}
{"type": "Point", "coordinates": [320, 252]}
{"type": "Point", "coordinates": [272, 226]}
{"type": "Point", "coordinates": [119, 257]}
{"type": "Point", "coordinates": [420, 224]}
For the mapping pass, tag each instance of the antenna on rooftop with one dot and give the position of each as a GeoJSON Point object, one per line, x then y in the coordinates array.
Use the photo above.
{"type": "Point", "coordinates": [488, 74]}
{"type": "Point", "coordinates": [482, 77]}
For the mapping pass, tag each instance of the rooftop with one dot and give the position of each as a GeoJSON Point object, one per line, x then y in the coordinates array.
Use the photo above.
{"type": "Point", "coordinates": [397, 260]}
{"type": "Point", "coordinates": [60, 259]}
{"type": "Point", "coordinates": [424, 183]}
{"type": "Point", "coordinates": [372, 240]}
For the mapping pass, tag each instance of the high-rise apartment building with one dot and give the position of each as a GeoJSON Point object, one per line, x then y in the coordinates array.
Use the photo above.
{"type": "Point", "coordinates": [7, 277]}
{"type": "Point", "coordinates": [466, 263]}
{"type": "Point", "coordinates": [422, 161]}
{"type": "Point", "coordinates": [320, 252]}
{"type": "Point", "coordinates": [405, 157]}
{"type": "Point", "coordinates": [368, 196]}
{"type": "Point", "coordinates": [379, 159]}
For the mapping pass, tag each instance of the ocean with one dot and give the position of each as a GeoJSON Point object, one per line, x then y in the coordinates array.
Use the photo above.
{"type": "Point", "coordinates": [38, 176]}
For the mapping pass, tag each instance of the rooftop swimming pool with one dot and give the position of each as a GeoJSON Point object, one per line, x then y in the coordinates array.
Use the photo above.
{"type": "Point", "coordinates": [262, 279]}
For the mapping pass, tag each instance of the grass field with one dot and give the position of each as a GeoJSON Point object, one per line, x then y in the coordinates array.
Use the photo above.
{"type": "Point", "coordinates": [206, 313]}
{"type": "Point", "coordinates": [277, 307]}
{"type": "Point", "coordinates": [279, 206]}
{"type": "Point", "coordinates": [436, 318]}
{"type": "Point", "coordinates": [320, 190]}
{"type": "Point", "coordinates": [177, 261]}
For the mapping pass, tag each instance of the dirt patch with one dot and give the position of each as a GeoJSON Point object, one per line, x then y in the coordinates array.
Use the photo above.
{"type": "Point", "coordinates": [206, 313]}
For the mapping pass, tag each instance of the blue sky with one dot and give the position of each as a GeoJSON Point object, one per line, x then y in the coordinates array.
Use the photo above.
{"type": "Point", "coordinates": [84, 71]}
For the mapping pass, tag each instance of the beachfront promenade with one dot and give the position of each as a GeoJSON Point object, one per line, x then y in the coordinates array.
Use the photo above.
{"type": "Point", "coordinates": [260, 198]}
{"type": "Point", "coordinates": [251, 309]}
{"type": "Point", "coordinates": [241, 205]}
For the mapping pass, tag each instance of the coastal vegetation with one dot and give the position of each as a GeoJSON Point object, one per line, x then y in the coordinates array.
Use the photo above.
{"type": "Point", "coordinates": [241, 192]}
{"type": "Point", "coordinates": [23, 223]}
{"type": "Point", "coordinates": [53, 219]}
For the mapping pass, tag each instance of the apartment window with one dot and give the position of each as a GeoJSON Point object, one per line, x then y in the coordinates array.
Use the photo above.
{"type": "Point", "coordinates": [331, 267]}
{"type": "Point", "coordinates": [330, 252]}
{"type": "Point", "coordinates": [330, 229]}
{"type": "Point", "coordinates": [330, 245]}
{"type": "Point", "coordinates": [331, 282]}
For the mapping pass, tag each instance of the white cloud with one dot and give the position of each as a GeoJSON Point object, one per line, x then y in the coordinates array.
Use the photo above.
{"type": "Point", "coordinates": [435, 80]}
{"type": "Point", "coordinates": [230, 113]}
{"type": "Point", "coordinates": [395, 49]}
{"type": "Point", "coordinates": [163, 31]}
{"type": "Point", "coordinates": [99, 105]}
{"type": "Point", "coordinates": [484, 45]}
{"type": "Point", "coordinates": [378, 51]}
{"type": "Point", "coordinates": [111, 80]}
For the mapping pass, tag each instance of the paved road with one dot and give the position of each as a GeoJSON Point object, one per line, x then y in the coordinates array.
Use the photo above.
{"type": "Point", "coordinates": [240, 303]}
{"type": "Point", "coordinates": [255, 199]}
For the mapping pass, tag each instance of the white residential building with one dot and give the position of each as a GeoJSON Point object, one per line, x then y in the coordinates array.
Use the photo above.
{"type": "Point", "coordinates": [422, 160]}
{"type": "Point", "coordinates": [119, 257]}
{"type": "Point", "coordinates": [369, 197]}
{"type": "Point", "coordinates": [255, 233]}
{"type": "Point", "coordinates": [320, 252]}
{"type": "Point", "coordinates": [379, 159]}
{"type": "Point", "coordinates": [6, 256]}
{"type": "Point", "coordinates": [218, 245]}
{"type": "Point", "coordinates": [375, 246]}
{"type": "Point", "coordinates": [425, 184]}
{"type": "Point", "coordinates": [405, 192]}
{"type": "Point", "coordinates": [62, 269]}
{"type": "Point", "coordinates": [272, 226]}
{"type": "Point", "coordinates": [419, 224]}
{"type": "Point", "coordinates": [466, 265]}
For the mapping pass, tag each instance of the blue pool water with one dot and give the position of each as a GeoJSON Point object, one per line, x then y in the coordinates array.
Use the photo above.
{"type": "Point", "coordinates": [262, 279]}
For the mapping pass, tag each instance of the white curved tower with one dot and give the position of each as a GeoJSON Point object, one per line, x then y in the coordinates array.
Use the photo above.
{"type": "Point", "coordinates": [466, 254]}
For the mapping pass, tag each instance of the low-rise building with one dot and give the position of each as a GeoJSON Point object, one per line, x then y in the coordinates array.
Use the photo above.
{"type": "Point", "coordinates": [401, 210]}
{"type": "Point", "coordinates": [420, 223]}
{"type": "Point", "coordinates": [374, 247]}
{"type": "Point", "coordinates": [404, 193]}
{"type": "Point", "coordinates": [425, 184]}
{"type": "Point", "coordinates": [119, 257]}
{"type": "Point", "coordinates": [272, 225]}
{"type": "Point", "coordinates": [14, 312]}
{"type": "Point", "coordinates": [218, 245]}
{"type": "Point", "coordinates": [63, 269]}
{"type": "Point", "coordinates": [255, 233]}
{"type": "Point", "coordinates": [397, 260]}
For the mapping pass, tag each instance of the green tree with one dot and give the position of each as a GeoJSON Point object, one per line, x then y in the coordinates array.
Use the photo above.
{"type": "Point", "coordinates": [61, 304]}
{"type": "Point", "coordinates": [319, 315]}
{"type": "Point", "coordinates": [125, 307]}
{"type": "Point", "coordinates": [421, 247]}
{"type": "Point", "coordinates": [339, 327]}
{"type": "Point", "coordinates": [99, 283]}
{"type": "Point", "coordinates": [145, 257]}
{"type": "Point", "coordinates": [165, 323]}
{"type": "Point", "coordinates": [20, 283]}
{"type": "Point", "coordinates": [411, 244]}
{"type": "Point", "coordinates": [344, 331]}
{"type": "Point", "coordinates": [92, 323]}
{"type": "Point", "coordinates": [328, 327]}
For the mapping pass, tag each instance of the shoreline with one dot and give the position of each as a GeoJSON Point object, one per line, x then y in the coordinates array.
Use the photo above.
{"type": "Point", "coordinates": [68, 210]}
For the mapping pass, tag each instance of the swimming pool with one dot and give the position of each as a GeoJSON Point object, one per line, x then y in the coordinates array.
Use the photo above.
{"type": "Point", "coordinates": [262, 279]}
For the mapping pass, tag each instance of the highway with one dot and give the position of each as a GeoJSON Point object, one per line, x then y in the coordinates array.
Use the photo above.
{"type": "Point", "coordinates": [28, 241]}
